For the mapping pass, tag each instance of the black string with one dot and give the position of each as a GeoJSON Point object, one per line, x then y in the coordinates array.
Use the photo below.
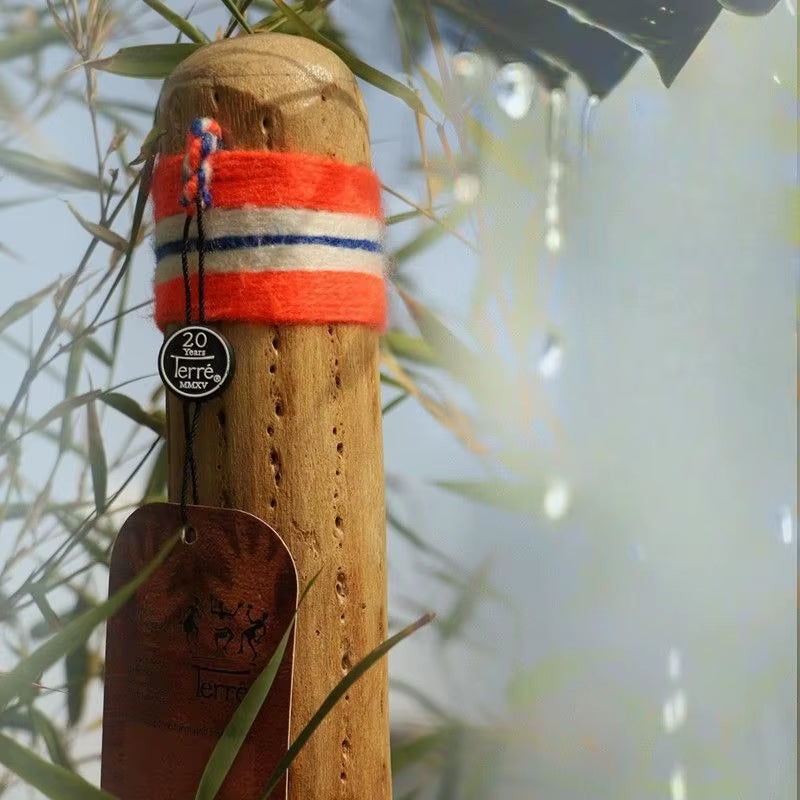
{"type": "Point", "coordinates": [191, 411]}
{"type": "Point", "coordinates": [201, 258]}
{"type": "Point", "coordinates": [187, 289]}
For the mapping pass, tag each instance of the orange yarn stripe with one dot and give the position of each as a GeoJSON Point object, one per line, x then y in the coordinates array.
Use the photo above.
{"type": "Point", "coordinates": [263, 178]}
{"type": "Point", "coordinates": [281, 298]}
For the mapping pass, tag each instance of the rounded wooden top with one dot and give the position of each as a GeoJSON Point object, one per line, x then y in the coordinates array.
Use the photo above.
{"type": "Point", "coordinates": [269, 91]}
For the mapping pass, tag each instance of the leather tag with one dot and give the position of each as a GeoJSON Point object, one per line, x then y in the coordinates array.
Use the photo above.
{"type": "Point", "coordinates": [181, 654]}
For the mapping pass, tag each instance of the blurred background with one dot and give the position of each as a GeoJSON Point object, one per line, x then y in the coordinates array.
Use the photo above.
{"type": "Point", "coordinates": [590, 381]}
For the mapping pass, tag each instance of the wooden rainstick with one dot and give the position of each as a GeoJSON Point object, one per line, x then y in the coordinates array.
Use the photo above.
{"type": "Point", "coordinates": [296, 439]}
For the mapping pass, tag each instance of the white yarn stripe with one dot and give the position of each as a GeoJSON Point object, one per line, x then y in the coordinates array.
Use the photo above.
{"type": "Point", "coordinates": [277, 258]}
{"type": "Point", "coordinates": [219, 222]}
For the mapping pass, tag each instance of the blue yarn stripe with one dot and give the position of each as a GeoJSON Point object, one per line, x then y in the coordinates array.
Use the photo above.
{"type": "Point", "coordinates": [264, 240]}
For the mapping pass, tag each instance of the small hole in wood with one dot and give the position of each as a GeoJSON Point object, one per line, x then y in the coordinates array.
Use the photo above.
{"type": "Point", "coordinates": [221, 417]}
{"type": "Point", "coordinates": [188, 534]}
{"type": "Point", "coordinates": [273, 503]}
{"type": "Point", "coordinates": [273, 456]}
{"type": "Point", "coordinates": [270, 430]}
{"type": "Point", "coordinates": [338, 381]}
{"type": "Point", "coordinates": [277, 478]}
{"type": "Point", "coordinates": [340, 448]}
{"type": "Point", "coordinates": [347, 664]}
{"type": "Point", "coordinates": [338, 522]}
{"type": "Point", "coordinates": [341, 584]}
{"type": "Point", "coordinates": [276, 342]}
{"type": "Point", "coordinates": [279, 409]}
{"type": "Point", "coordinates": [273, 369]}
{"type": "Point", "coordinates": [338, 472]}
{"type": "Point", "coordinates": [330, 330]}
{"type": "Point", "coordinates": [334, 430]}
{"type": "Point", "coordinates": [342, 775]}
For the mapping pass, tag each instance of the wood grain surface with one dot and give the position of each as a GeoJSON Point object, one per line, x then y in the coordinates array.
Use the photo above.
{"type": "Point", "coordinates": [296, 439]}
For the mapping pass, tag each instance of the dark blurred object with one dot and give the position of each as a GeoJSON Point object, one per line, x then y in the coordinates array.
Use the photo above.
{"type": "Point", "coordinates": [597, 40]}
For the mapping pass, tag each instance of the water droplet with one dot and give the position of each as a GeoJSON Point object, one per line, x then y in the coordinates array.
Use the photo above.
{"type": "Point", "coordinates": [467, 65]}
{"type": "Point", "coordinates": [668, 717]}
{"type": "Point", "coordinates": [679, 707]}
{"type": "Point", "coordinates": [677, 784]}
{"type": "Point", "coordinates": [552, 240]}
{"type": "Point", "coordinates": [513, 89]}
{"type": "Point", "coordinates": [556, 500]}
{"type": "Point", "coordinates": [776, 78]}
{"type": "Point", "coordinates": [786, 521]}
{"type": "Point", "coordinates": [674, 663]}
{"type": "Point", "coordinates": [552, 357]}
{"type": "Point", "coordinates": [673, 714]}
{"type": "Point", "coordinates": [556, 128]}
{"type": "Point", "coordinates": [592, 101]}
{"type": "Point", "coordinates": [556, 134]}
{"type": "Point", "coordinates": [466, 188]}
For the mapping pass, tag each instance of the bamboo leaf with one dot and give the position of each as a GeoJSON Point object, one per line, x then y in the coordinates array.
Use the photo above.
{"type": "Point", "coordinates": [412, 348]}
{"type": "Point", "coordinates": [527, 686]}
{"type": "Point", "coordinates": [48, 171]}
{"type": "Point", "coordinates": [70, 388]}
{"type": "Point", "coordinates": [51, 780]}
{"type": "Point", "coordinates": [56, 412]}
{"type": "Point", "coordinates": [336, 694]}
{"type": "Point", "coordinates": [432, 233]}
{"type": "Point", "coordinates": [394, 403]}
{"type": "Point", "coordinates": [419, 748]}
{"type": "Point", "coordinates": [23, 307]}
{"type": "Point", "coordinates": [97, 457]}
{"type": "Point", "coordinates": [76, 665]}
{"type": "Point", "coordinates": [71, 636]}
{"type": "Point", "coordinates": [415, 539]}
{"type": "Point", "coordinates": [131, 409]}
{"type": "Point", "coordinates": [157, 482]}
{"type": "Point", "coordinates": [104, 234]}
{"type": "Point", "coordinates": [146, 60]}
{"type": "Point", "coordinates": [28, 41]}
{"type": "Point", "coordinates": [51, 737]}
{"type": "Point", "coordinates": [236, 13]}
{"type": "Point", "coordinates": [229, 744]}
{"type": "Point", "coordinates": [356, 65]}
{"type": "Point", "coordinates": [403, 216]}
{"type": "Point", "coordinates": [500, 494]}
{"type": "Point", "coordinates": [483, 375]}
{"type": "Point", "coordinates": [447, 347]}
{"type": "Point", "coordinates": [177, 21]}
{"type": "Point", "coordinates": [465, 605]}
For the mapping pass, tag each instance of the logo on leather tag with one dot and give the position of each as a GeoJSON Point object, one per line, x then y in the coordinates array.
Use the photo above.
{"type": "Point", "coordinates": [182, 653]}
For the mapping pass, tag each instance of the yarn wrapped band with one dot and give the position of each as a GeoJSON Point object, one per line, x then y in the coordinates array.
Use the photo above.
{"type": "Point", "coordinates": [289, 238]}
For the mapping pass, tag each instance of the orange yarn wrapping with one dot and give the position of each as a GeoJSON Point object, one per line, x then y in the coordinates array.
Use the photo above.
{"type": "Point", "coordinates": [269, 179]}
{"type": "Point", "coordinates": [264, 182]}
{"type": "Point", "coordinates": [282, 298]}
